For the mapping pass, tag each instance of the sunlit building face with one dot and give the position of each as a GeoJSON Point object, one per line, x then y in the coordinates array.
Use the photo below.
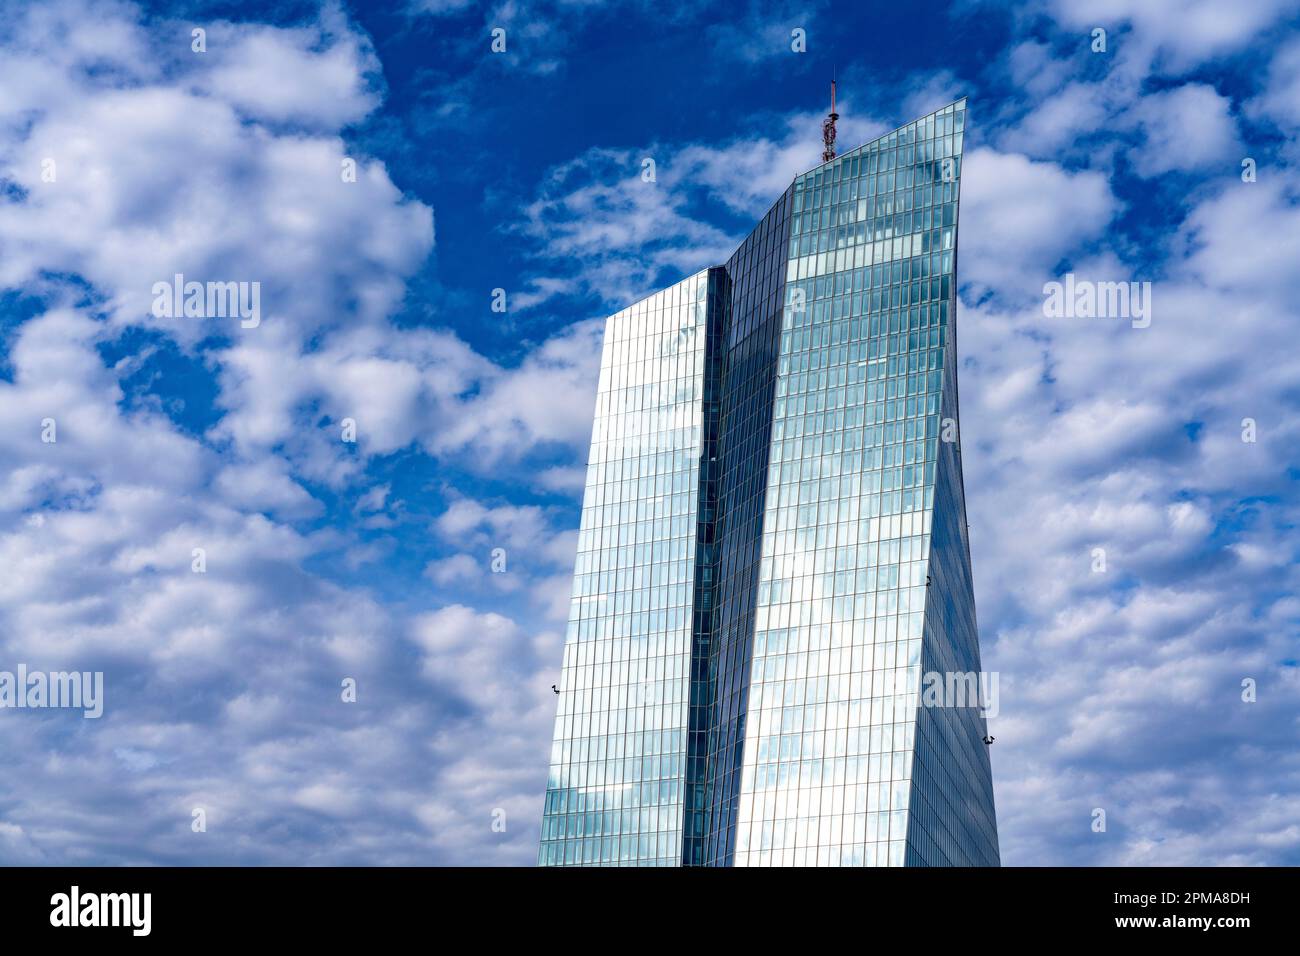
{"type": "Point", "coordinates": [773, 554]}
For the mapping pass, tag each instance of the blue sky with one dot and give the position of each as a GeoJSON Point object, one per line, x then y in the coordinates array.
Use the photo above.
{"type": "Point", "coordinates": [1120, 689]}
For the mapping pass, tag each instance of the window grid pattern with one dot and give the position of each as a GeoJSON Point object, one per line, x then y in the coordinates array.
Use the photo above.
{"type": "Point", "coordinates": [696, 815]}
{"type": "Point", "coordinates": [951, 819]}
{"type": "Point", "coordinates": [773, 548]}
{"type": "Point", "coordinates": [617, 779]}
{"type": "Point", "coordinates": [840, 617]}
{"type": "Point", "coordinates": [752, 323]}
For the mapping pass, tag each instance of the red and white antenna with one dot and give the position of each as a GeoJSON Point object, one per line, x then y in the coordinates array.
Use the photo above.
{"type": "Point", "coordinates": [828, 129]}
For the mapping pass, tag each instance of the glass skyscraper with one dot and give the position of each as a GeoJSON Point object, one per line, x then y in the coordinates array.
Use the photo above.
{"type": "Point", "coordinates": [773, 555]}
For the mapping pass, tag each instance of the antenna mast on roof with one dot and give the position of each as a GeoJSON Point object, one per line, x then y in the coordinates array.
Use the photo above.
{"type": "Point", "coordinates": [828, 129]}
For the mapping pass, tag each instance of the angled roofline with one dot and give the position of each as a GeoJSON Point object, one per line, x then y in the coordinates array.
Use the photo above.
{"type": "Point", "coordinates": [877, 139]}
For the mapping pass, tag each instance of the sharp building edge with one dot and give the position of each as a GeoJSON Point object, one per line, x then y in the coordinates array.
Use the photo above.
{"type": "Point", "coordinates": [773, 554]}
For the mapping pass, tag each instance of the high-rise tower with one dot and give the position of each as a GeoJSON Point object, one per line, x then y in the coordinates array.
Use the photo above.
{"type": "Point", "coordinates": [773, 561]}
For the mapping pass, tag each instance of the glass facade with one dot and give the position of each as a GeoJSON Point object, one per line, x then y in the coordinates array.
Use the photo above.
{"type": "Point", "coordinates": [751, 325]}
{"type": "Point", "coordinates": [827, 567]}
{"type": "Point", "coordinates": [618, 763]}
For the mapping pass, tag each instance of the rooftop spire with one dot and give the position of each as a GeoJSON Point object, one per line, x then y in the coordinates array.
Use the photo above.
{"type": "Point", "coordinates": [828, 129]}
